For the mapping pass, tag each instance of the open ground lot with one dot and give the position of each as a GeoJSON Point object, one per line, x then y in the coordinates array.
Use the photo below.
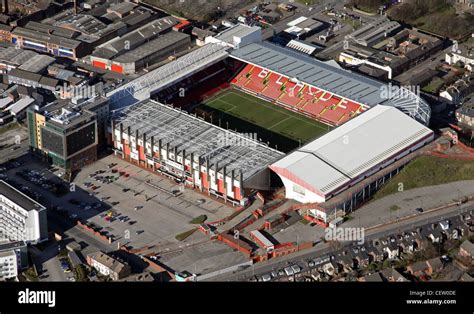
{"type": "Point", "coordinates": [247, 113]}
{"type": "Point", "coordinates": [427, 171]}
{"type": "Point", "coordinates": [162, 215]}
{"type": "Point", "coordinates": [161, 218]}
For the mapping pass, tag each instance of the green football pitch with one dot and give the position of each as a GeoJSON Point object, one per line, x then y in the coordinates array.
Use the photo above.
{"type": "Point", "coordinates": [239, 109]}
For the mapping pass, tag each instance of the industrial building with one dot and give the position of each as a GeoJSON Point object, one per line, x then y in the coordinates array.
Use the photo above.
{"type": "Point", "coordinates": [237, 36]}
{"type": "Point", "coordinates": [302, 27]}
{"type": "Point", "coordinates": [375, 32]}
{"type": "Point", "coordinates": [21, 218]}
{"type": "Point", "coordinates": [146, 45]}
{"type": "Point", "coordinates": [201, 155]}
{"type": "Point", "coordinates": [44, 40]}
{"type": "Point", "coordinates": [349, 154]}
{"type": "Point", "coordinates": [26, 60]}
{"type": "Point", "coordinates": [69, 134]}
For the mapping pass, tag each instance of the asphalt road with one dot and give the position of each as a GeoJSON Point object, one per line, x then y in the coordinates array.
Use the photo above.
{"type": "Point", "coordinates": [322, 248]}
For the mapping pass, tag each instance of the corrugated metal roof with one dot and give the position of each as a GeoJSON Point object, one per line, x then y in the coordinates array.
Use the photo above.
{"type": "Point", "coordinates": [335, 80]}
{"type": "Point", "coordinates": [357, 146]}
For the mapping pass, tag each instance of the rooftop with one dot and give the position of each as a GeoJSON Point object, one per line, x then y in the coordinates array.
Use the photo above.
{"type": "Point", "coordinates": [6, 245]}
{"type": "Point", "coordinates": [151, 47]}
{"type": "Point", "coordinates": [108, 261]}
{"type": "Point", "coordinates": [239, 30]}
{"type": "Point", "coordinates": [352, 149]}
{"type": "Point", "coordinates": [468, 246]}
{"type": "Point", "coordinates": [45, 37]}
{"type": "Point", "coordinates": [335, 80]}
{"type": "Point", "coordinates": [18, 197]}
{"type": "Point", "coordinates": [205, 140]}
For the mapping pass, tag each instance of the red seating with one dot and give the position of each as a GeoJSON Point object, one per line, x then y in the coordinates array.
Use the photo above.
{"type": "Point", "coordinates": [273, 86]}
{"type": "Point", "coordinates": [291, 95]}
{"type": "Point", "coordinates": [256, 79]}
{"type": "Point", "coordinates": [303, 98]}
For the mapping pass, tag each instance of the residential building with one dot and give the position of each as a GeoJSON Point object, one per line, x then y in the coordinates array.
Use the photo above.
{"type": "Point", "coordinates": [434, 265]}
{"type": "Point", "coordinates": [463, 55]}
{"type": "Point", "coordinates": [21, 218]}
{"type": "Point", "coordinates": [465, 115]}
{"type": "Point", "coordinates": [418, 268]}
{"type": "Point", "coordinates": [13, 258]}
{"type": "Point", "coordinates": [8, 265]}
{"type": "Point", "coordinates": [108, 265]}
{"type": "Point", "coordinates": [467, 249]}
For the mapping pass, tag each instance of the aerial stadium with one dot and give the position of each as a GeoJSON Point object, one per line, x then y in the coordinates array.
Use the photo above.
{"type": "Point", "coordinates": [298, 111]}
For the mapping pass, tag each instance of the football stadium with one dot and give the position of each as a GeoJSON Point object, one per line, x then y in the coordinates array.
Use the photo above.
{"type": "Point", "coordinates": [309, 126]}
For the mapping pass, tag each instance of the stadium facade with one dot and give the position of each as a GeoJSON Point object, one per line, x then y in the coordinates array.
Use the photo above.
{"type": "Point", "coordinates": [349, 154]}
{"type": "Point", "coordinates": [201, 155]}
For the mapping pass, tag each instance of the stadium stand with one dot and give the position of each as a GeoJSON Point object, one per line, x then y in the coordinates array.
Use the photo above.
{"type": "Point", "coordinates": [299, 97]}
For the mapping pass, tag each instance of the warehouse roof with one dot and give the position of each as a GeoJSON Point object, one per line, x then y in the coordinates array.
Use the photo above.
{"type": "Point", "coordinates": [46, 38]}
{"type": "Point", "coordinates": [141, 87]}
{"type": "Point", "coordinates": [207, 141]}
{"type": "Point", "coordinates": [20, 105]}
{"type": "Point", "coordinates": [351, 150]}
{"type": "Point", "coordinates": [37, 63]}
{"type": "Point", "coordinates": [151, 47]}
{"type": "Point", "coordinates": [15, 56]}
{"type": "Point", "coordinates": [335, 80]}
{"type": "Point", "coordinates": [18, 197]}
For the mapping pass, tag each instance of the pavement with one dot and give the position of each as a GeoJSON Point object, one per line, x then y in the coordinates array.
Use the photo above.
{"type": "Point", "coordinates": [47, 263]}
{"type": "Point", "coordinates": [162, 217]}
{"type": "Point", "coordinates": [377, 212]}
{"type": "Point", "coordinates": [321, 249]}
{"type": "Point", "coordinates": [10, 147]}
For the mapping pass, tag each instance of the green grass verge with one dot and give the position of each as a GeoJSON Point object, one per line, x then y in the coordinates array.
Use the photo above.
{"type": "Point", "coordinates": [427, 171]}
{"type": "Point", "coordinates": [199, 219]}
{"type": "Point", "coordinates": [184, 235]}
